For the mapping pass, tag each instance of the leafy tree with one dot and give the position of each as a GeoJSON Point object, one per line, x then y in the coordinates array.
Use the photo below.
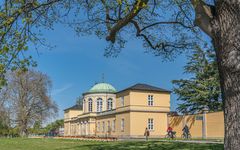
{"type": "Point", "coordinates": [203, 88]}
{"type": "Point", "coordinates": [4, 117]}
{"type": "Point", "coordinates": [3, 128]}
{"type": "Point", "coordinates": [13, 132]}
{"type": "Point", "coordinates": [54, 126]}
{"type": "Point", "coordinates": [27, 95]}
{"type": "Point", "coordinates": [37, 128]}
{"type": "Point", "coordinates": [19, 24]}
{"type": "Point", "coordinates": [166, 27]}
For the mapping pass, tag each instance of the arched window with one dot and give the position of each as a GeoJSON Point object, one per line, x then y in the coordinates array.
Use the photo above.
{"type": "Point", "coordinates": [99, 105]}
{"type": "Point", "coordinates": [90, 105]}
{"type": "Point", "coordinates": [109, 104]}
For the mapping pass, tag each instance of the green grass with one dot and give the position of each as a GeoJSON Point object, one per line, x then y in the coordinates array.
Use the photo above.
{"type": "Point", "coordinates": [61, 144]}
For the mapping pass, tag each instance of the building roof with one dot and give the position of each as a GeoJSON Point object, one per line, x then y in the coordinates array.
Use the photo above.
{"type": "Point", "coordinates": [75, 107]}
{"type": "Point", "coordinates": [145, 87]}
{"type": "Point", "coordinates": [102, 88]}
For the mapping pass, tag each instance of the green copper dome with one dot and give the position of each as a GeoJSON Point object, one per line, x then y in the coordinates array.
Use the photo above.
{"type": "Point", "coordinates": [102, 88]}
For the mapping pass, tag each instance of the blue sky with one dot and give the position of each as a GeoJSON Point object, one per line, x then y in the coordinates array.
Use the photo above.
{"type": "Point", "coordinates": [77, 63]}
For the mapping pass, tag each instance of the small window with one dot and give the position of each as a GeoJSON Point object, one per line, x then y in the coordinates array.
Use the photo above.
{"type": "Point", "coordinates": [122, 125]}
{"type": "Point", "coordinates": [122, 100]}
{"type": "Point", "coordinates": [150, 124]}
{"type": "Point", "coordinates": [113, 125]}
{"type": "Point", "coordinates": [150, 100]}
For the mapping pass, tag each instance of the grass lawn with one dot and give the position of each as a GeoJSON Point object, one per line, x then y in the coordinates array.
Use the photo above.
{"type": "Point", "coordinates": [61, 144]}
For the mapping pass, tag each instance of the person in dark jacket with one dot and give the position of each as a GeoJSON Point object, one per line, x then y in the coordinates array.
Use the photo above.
{"type": "Point", "coordinates": [186, 131]}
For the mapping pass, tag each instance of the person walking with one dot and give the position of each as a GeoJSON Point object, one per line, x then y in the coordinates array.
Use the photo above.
{"type": "Point", "coordinates": [146, 134]}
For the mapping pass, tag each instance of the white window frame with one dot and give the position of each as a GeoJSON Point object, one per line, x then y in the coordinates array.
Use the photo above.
{"type": "Point", "coordinates": [110, 104]}
{"type": "Point", "coordinates": [150, 100]}
{"type": "Point", "coordinates": [90, 105]}
{"type": "Point", "coordinates": [150, 124]}
{"type": "Point", "coordinates": [122, 124]}
{"type": "Point", "coordinates": [99, 104]}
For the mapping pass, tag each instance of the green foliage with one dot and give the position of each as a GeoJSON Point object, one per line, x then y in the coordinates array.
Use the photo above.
{"type": "Point", "coordinates": [8, 131]}
{"type": "Point", "coordinates": [18, 22]}
{"type": "Point", "coordinates": [13, 132]}
{"type": "Point", "coordinates": [37, 129]}
{"type": "Point", "coordinates": [55, 125]}
{"type": "Point", "coordinates": [203, 88]}
{"type": "Point", "coordinates": [4, 129]}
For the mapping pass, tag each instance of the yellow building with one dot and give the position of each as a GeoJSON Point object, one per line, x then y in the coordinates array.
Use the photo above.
{"type": "Point", "coordinates": [123, 114]}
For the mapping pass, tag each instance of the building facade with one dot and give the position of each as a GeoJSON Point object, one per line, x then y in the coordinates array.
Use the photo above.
{"type": "Point", "coordinates": [206, 125]}
{"type": "Point", "coordinates": [106, 112]}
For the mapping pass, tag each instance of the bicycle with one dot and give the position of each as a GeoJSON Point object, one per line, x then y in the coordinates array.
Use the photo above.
{"type": "Point", "coordinates": [169, 136]}
{"type": "Point", "coordinates": [186, 136]}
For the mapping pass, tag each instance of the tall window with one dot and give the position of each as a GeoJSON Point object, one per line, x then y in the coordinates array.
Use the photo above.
{"type": "Point", "coordinates": [108, 126]}
{"type": "Point", "coordinates": [113, 125]}
{"type": "Point", "coordinates": [103, 126]}
{"type": "Point", "coordinates": [150, 100]}
{"type": "Point", "coordinates": [109, 104]}
{"type": "Point", "coordinates": [122, 125]}
{"type": "Point", "coordinates": [98, 127]}
{"type": "Point", "coordinates": [90, 105]}
{"type": "Point", "coordinates": [150, 124]}
{"type": "Point", "coordinates": [84, 105]}
{"type": "Point", "coordinates": [99, 105]}
{"type": "Point", "coordinates": [122, 100]}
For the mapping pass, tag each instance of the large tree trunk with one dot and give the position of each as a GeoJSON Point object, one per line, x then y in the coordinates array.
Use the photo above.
{"type": "Point", "coordinates": [226, 39]}
{"type": "Point", "coordinates": [23, 129]}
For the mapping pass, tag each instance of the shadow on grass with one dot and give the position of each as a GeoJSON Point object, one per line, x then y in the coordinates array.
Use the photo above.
{"type": "Point", "coordinates": [151, 145]}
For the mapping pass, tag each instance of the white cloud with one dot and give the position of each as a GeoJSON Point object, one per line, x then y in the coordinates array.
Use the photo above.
{"type": "Point", "coordinates": [60, 90]}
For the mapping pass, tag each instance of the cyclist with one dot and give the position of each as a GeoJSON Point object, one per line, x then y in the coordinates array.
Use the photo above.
{"type": "Point", "coordinates": [170, 132]}
{"type": "Point", "coordinates": [186, 131]}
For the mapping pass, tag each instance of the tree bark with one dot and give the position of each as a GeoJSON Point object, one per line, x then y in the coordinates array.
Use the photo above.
{"type": "Point", "coordinates": [23, 129]}
{"type": "Point", "coordinates": [226, 40]}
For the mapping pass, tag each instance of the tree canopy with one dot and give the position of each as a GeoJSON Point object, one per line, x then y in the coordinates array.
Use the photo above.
{"type": "Point", "coordinates": [203, 88]}
{"type": "Point", "coordinates": [115, 20]}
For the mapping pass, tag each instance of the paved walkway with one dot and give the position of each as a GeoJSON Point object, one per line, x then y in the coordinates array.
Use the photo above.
{"type": "Point", "coordinates": [142, 139]}
{"type": "Point", "coordinates": [196, 141]}
{"type": "Point", "coordinates": [178, 140]}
